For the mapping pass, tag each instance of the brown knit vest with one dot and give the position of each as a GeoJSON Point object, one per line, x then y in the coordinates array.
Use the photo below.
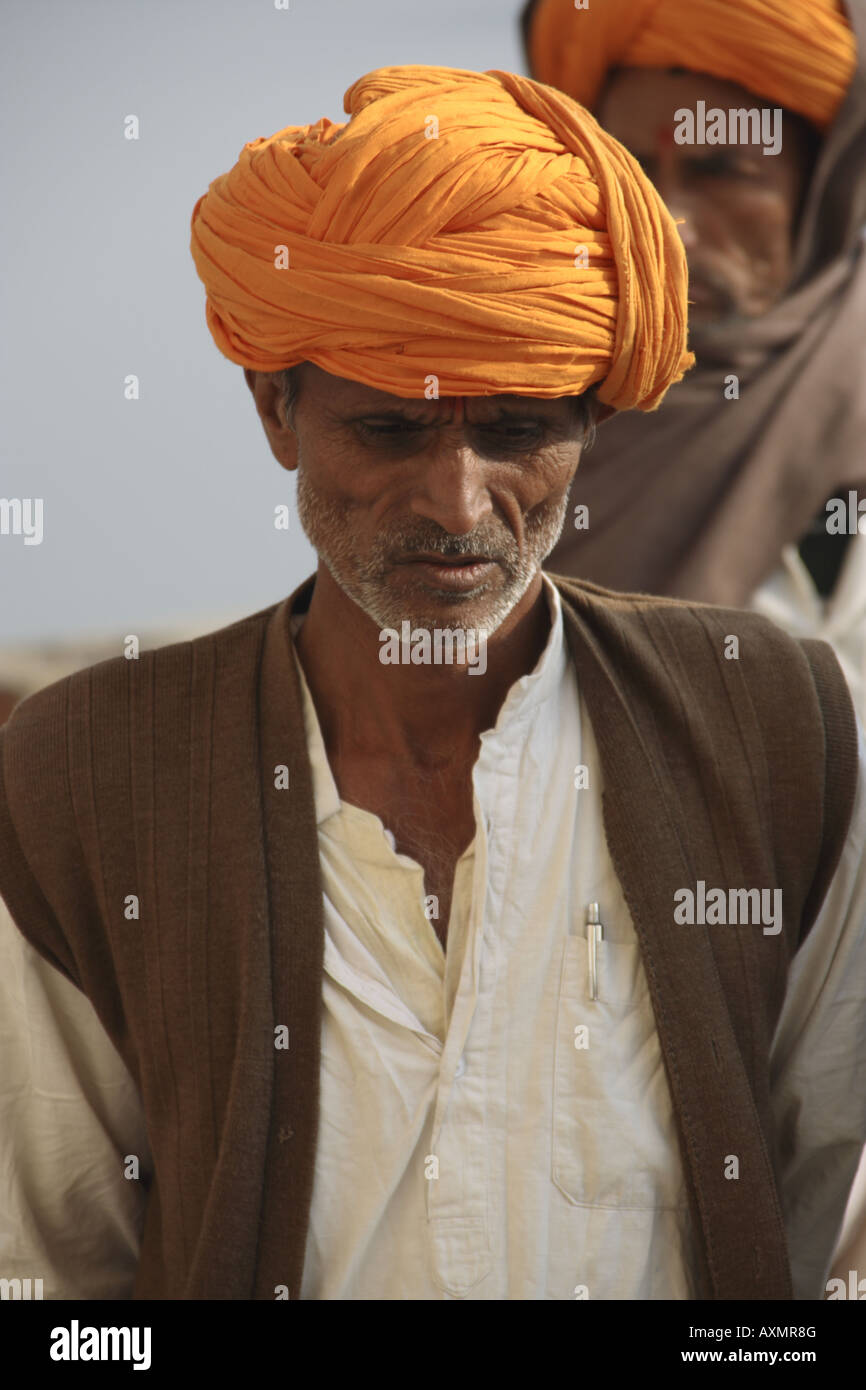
{"type": "Point", "coordinates": [156, 778]}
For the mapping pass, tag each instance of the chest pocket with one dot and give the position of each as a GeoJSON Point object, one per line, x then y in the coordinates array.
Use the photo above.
{"type": "Point", "coordinates": [614, 1135]}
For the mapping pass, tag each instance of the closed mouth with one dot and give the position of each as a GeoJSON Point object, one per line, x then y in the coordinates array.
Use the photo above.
{"type": "Point", "coordinates": [461, 560]}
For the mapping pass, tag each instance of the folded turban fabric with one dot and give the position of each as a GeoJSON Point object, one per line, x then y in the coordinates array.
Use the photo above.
{"type": "Point", "coordinates": [478, 227]}
{"type": "Point", "coordinates": [799, 54]}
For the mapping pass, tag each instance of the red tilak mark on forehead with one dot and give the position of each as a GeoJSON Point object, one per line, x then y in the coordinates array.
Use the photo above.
{"type": "Point", "coordinates": [457, 413]}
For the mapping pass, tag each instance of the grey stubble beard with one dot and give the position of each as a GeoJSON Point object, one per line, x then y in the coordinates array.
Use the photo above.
{"type": "Point", "coordinates": [328, 527]}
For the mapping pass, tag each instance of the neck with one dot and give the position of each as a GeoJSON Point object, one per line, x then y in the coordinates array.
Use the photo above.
{"type": "Point", "coordinates": [423, 714]}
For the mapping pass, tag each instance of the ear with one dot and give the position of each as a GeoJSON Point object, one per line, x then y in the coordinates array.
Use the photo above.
{"type": "Point", "coordinates": [265, 389]}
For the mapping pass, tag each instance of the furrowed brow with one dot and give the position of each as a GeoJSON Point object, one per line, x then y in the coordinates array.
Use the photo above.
{"type": "Point", "coordinates": [502, 413]}
{"type": "Point", "coordinates": [395, 416]}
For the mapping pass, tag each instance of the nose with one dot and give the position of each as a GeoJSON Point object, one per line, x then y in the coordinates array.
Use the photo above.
{"type": "Point", "coordinates": [451, 487]}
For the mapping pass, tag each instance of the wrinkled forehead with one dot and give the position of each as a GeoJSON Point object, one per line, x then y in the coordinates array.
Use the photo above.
{"type": "Point", "coordinates": [347, 396]}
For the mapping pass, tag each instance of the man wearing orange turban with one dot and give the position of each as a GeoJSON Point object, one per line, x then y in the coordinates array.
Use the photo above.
{"type": "Point", "coordinates": [444, 912]}
{"type": "Point", "coordinates": [408, 243]}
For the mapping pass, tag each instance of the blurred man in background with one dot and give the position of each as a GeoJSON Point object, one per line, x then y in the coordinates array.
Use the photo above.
{"type": "Point", "coordinates": [722, 494]}
{"type": "Point", "coordinates": [747, 486]}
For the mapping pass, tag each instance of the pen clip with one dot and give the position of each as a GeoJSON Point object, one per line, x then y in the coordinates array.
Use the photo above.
{"type": "Point", "coordinates": [594, 934]}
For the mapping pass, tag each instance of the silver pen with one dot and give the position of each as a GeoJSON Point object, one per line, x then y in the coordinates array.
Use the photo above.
{"type": "Point", "coordinates": [594, 934]}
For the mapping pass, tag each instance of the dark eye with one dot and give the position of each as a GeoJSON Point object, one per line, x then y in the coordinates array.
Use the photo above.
{"type": "Point", "coordinates": [510, 439]}
{"type": "Point", "coordinates": [388, 429]}
{"type": "Point", "coordinates": [512, 434]}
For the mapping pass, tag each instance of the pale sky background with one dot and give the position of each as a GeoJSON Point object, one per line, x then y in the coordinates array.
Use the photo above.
{"type": "Point", "coordinates": [157, 512]}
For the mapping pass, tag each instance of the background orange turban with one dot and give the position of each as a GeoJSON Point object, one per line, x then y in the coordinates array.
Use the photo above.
{"type": "Point", "coordinates": [799, 54]}
{"type": "Point", "coordinates": [479, 227]}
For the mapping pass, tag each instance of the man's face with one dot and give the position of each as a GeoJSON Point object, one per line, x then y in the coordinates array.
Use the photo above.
{"type": "Point", "coordinates": [441, 511]}
{"type": "Point", "coordinates": [740, 206]}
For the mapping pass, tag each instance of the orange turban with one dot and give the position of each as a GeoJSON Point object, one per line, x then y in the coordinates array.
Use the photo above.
{"type": "Point", "coordinates": [800, 54]}
{"type": "Point", "coordinates": [477, 227]}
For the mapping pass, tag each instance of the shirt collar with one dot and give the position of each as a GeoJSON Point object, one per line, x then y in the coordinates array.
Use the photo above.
{"type": "Point", "coordinates": [524, 697]}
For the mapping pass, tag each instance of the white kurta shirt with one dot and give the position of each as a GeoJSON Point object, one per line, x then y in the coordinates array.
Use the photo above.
{"type": "Point", "coordinates": [467, 1147]}
{"type": "Point", "coordinates": [791, 599]}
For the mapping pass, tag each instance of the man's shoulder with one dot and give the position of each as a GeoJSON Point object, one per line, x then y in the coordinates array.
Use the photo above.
{"type": "Point", "coordinates": [712, 653]}
{"type": "Point", "coordinates": [90, 693]}
{"type": "Point", "coordinates": [680, 616]}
